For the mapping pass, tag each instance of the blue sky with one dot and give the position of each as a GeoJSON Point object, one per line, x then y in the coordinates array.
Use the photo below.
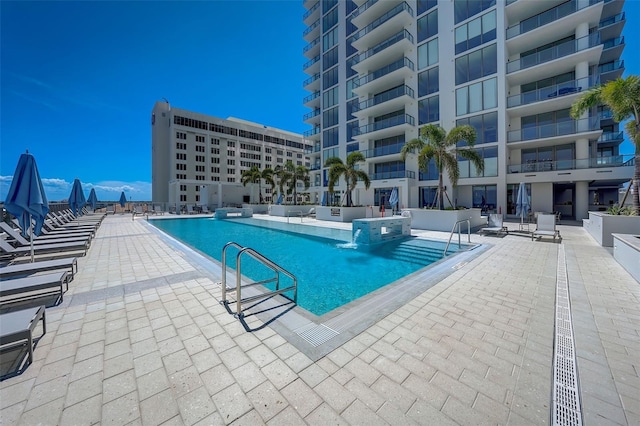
{"type": "Point", "coordinates": [78, 80]}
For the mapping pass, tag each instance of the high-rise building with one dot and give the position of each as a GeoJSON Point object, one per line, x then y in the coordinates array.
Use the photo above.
{"type": "Point", "coordinates": [199, 159]}
{"type": "Point", "coordinates": [379, 70]}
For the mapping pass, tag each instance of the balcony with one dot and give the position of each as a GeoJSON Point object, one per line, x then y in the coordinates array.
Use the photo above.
{"type": "Point", "coordinates": [401, 42]}
{"type": "Point", "coordinates": [312, 14]}
{"type": "Point", "coordinates": [610, 71]}
{"type": "Point", "coordinates": [365, 12]}
{"type": "Point", "coordinates": [612, 26]}
{"type": "Point", "coordinates": [371, 83]}
{"type": "Point", "coordinates": [398, 174]}
{"type": "Point", "coordinates": [312, 31]}
{"type": "Point", "coordinates": [553, 53]}
{"type": "Point", "coordinates": [313, 149]}
{"type": "Point", "coordinates": [314, 167]}
{"type": "Point", "coordinates": [311, 97]}
{"type": "Point", "coordinates": [311, 62]}
{"type": "Point", "coordinates": [391, 100]}
{"type": "Point", "coordinates": [312, 132]}
{"type": "Point", "coordinates": [383, 150]}
{"type": "Point", "coordinates": [311, 114]}
{"type": "Point", "coordinates": [560, 129]}
{"type": "Point", "coordinates": [312, 49]}
{"type": "Point", "coordinates": [612, 49]}
{"type": "Point", "coordinates": [605, 115]}
{"type": "Point", "coordinates": [383, 27]}
{"type": "Point", "coordinates": [576, 164]}
{"type": "Point", "coordinates": [314, 78]}
{"type": "Point", "coordinates": [611, 138]}
{"type": "Point", "coordinates": [554, 92]}
{"type": "Point", "coordinates": [547, 17]}
{"type": "Point", "coordinates": [386, 127]}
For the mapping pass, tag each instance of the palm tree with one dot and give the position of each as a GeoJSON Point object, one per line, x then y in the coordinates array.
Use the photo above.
{"type": "Point", "coordinates": [622, 96]}
{"type": "Point", "coordinates": [293, 175]}
{"type": "Point", "coordinates": [435, 143]}
{"type": "Point", "coordinates": [351, 175]}
{"type": "Point", "coordinates": [267, 174]}
{"type": "Point", "coordinates": [282, 175]}
{"type": "Point", "coordinates": [252, 175]}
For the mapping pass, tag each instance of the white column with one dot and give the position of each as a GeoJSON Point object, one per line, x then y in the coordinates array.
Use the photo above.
{"type": "Point", "coordinates": [582, 200]}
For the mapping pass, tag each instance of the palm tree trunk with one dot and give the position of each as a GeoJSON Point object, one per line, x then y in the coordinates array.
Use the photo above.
{"type": "Point", "coordinates": [440, 193]}
{"type": "Point", "coordinates": [636, 183]}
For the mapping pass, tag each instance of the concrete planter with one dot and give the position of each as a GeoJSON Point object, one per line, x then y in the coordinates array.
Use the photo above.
{"type": "Point", "coordinates": [626, 250]}
{"type": "Point", "coordinates": [288, 210]}
{"type": "Point", "coordinates": [601, 226]}
{"type": "Point", "coordinates": [257, 208]}
{"type": "Point", "coordinates": [340, 214]}
{"type": "Point", "coordinates": [443, 220]}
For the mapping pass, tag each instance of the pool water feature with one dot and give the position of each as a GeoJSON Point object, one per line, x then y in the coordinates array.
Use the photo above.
{"type": "Point", "coordinates": [331, 272]}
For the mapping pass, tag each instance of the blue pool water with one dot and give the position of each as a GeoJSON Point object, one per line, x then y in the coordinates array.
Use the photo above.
{"type": "Point", "coordinates": [331, 272]}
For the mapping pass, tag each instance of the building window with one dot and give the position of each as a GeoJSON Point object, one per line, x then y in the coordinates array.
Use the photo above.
{"type": "Point", "coordinates": [428, 26]}
{"type": "Point", "coordinates": [330, 58]}
{"type": "Point", "coordinates": [200, 138]}
{"type": "Point", "coordinates": [231, 144]}
{"type": "Point", "coordinates": [486, 126]}
{"type": "Point", "coordinates": [424, 5]}
{"type": "Point", "coordinates": [180, 145]}
{"type": "Point", "coordinates": [485, 197]}
{"type": "Point", "coordinates": [330, 137]}
{"type": "Point", "coordinates": [181, 166]}
{"type": "Point", "coordinates": [477, 64]}
{"type": "Point", "coordinates": [199, 148]}
{"type": "Point", "coordinates": [181, 135]}
{"type": "Point", "coordinates": [215, 141]}
{"type": "Point", "coordinates": [330, 117]}
{"type": "Point", "coordinates": [329, 39]}
{"type": "Point", "coordinates": [428, 54]}
{"type": "Point", "coordinates": [231, 179]}
{"type": "Point", "coordinates": [231, 171]}
{"type": "Point", "coordinates": [200, 159]}
{"type": "Point", "coordinates": [428, 82]}
{"type": "Point", "coordinates": [330, 97]}
{"type": "Point", "coordinates": [490, 156]}
{"type": "Point", "coordinates": [429, 110]}
{"type": "Point", "coordinates": [183, 198]}
{"type": "Point", "coordinates": [464, 9]}
{"type": "Point", "coordinates": [329, 20]}
{"type": "Point", "coordinates": [477, 97]}
{"type": "Point", "coordinates": [474, 33]}
{"type": "Point", "coordinates": [215, 160]}
{"type": "Point", "coordinates": [267, 150]}
{"type": "Point", "coordinates": [183, 187]}
{"type": "Point", "coordinates": [330, 78]}
{"type": "Point", "coordinates": [231, 162]}
{"type": "Point", "coordinates": [181, 156]}
{"type": "Point", "coordinates": [215, 170]}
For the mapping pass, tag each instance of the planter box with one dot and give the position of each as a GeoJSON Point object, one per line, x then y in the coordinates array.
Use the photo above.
{"type": "Point", "coordinates": [443, 220]}
{"type": "Point", "coordinates": [340, 214]}
{"type": "Point", "coordinates": [626, 251]}
{"type": "Point", "coordinates": [257, 208]}
{"type": "Point", "coordinates": [601, 226]}
{"type": "Point", "coordinates": [289, 210]}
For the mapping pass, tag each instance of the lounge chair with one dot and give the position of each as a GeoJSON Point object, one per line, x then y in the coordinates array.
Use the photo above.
{"type": "Point", "coordinates": [495, 225]}
{"type": "Point", "coordinates": [111, 209]}
{"type": "Point", "coordinates": [16, 329]}
{"type": "Point", "coordinates": [41, 239]}
{"type": "Point", "coordinates": [546, 227]}
{"type": "Point", "coordinates": [158, 210]}
{"type": "Point", "coordinates": [76, 247]}
{"type": "Point", "coordinates": [190, 209]}
{"type": "Point", "coordinates": [69, 264]}
{"type": "Point", "coordinates": [20, 290]}
{"type": "Point", "coordinates": [138, 211]}
{"type": "Point", "coordinates": [205, 209]}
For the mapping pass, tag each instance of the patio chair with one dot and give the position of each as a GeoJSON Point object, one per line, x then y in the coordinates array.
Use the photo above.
{"type": "Point", "coordinates": [16, 332]}
{"type": "Point", "coordinates": [111, 209]}
{"type": "Point", "coordinates": [76, 247]}
{"type": "Point", "coordinates": [158, 210]}
{"type": "Point", "coordinates": [205, 209]}
{"type": "Point", "coordinates": [495, 225]}
{"type": "Point", "coordinates": [138, 210]}
{"type": "Point", "coordinates": [546, 227]}
{"type": "Point", "coordinates": [69, 264]}
{"type": "Point", "coordinates": [21, 290]}
{"type": "Point", "coordinates": [190, 209]}
{"type": "Point", "coordinates": [42, 239]}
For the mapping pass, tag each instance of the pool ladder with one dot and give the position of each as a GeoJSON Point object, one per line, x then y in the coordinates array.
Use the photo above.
{"type": "Point", "coordinates": [458, 223]}
{"type": "Point", "coordinates": [238, 289]}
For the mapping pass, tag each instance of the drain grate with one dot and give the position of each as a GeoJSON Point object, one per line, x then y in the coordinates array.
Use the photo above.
{"type": "Point", "coordinates": [316, 334]}
{"type": "Point", "coordinates": [566, 396]}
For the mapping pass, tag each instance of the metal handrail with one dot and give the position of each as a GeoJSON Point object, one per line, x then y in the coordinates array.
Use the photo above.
{"type": "Point", "coordinates": [297, 213]}
{"type": "Point", "coordinates": [277, 269]}
{"type": "Point", "coordinates": [451, 234]}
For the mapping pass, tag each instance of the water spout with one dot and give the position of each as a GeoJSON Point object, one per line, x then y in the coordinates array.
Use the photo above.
{"type": "Point", "coordinates": [354, 241]}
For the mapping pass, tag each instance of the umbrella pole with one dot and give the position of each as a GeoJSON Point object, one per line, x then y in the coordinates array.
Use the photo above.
{"type": "Point", "coordinates": [31, 236]}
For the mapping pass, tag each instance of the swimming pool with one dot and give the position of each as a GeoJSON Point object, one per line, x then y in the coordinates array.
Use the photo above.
{"type": "Point", "coordinates": [331, 272]}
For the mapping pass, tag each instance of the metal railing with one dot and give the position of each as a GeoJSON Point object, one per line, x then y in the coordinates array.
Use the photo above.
{"type": "Point", "coordinates": [625, 160]}
{"type": "Point", "coordinates": [452, 231]}
{"type": "Point", "coordinates": [554, 91]}
{"type": "Point", "coordinates": [264, 261]}
{"type": "Point", "coordinates": [548, 16]}
{"type": "Point", "coordinates": [555, 52]}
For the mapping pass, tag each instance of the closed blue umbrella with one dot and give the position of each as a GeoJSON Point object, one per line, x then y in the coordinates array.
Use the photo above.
{"type": "Point", "coordinates": [26, 199]}
{"type": "Point", "coordinates": [279, 200]}
{"type": "Point", "coordinates": [393, 198]}
{"type": "Point", "coordinates": [522, 202]}
{"type": "Point", "coordinates": [76, 198]}
{"type": "Point", "coordinates": [123, 199]}
{"type": "Point", "coordinates": [324, 199]}
{"type": "Point", "coordinates": [93, 199]}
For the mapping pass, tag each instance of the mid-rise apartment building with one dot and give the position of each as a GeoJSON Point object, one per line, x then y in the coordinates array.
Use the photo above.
{"type": "Point", "coordinates": [199, 159]}
{"type": "Point", "coordinates": [381, 69]}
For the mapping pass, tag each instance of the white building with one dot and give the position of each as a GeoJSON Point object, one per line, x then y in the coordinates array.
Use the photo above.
{"type": "Point", "coordinates": [381, 69]}
{"type": "Point", "coordinates": [198, 159]}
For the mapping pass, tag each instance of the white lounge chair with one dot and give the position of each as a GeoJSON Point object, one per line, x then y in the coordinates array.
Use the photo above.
{"type": "Point", "coordinates": [546, 227]}
{"type": "Point", "coordinates": [495, 225]}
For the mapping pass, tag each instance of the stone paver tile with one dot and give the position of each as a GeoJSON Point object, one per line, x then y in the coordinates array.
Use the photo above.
{"type": "Point", "coordinates": [340, 357]}
{"type": "Point", "coordinates": [152, 383]}
{"type": "Point", "coordinates": [274, 341]}
{"type": "Point", "coordinates": [176, 361]}
{"type": "Point", "coordinates": [217, 378]}
{"type": "Point", "coordinates": [9, 415]}
{"type": "Point", "coordinates": [394, 393]}
{"type": "Point", "coordinates": [232, 403]}
{"type": "Point", "coordinates": [59, 353]}
{"type": "Point", "coordinates": [342, 376]}
{"type": "Point", "coordinates": [91, 337]}
{"type": "Point", "coordinates": [14, 393]}
{"type": "Point", "coordinates": [222, 342]}
{"type": "Point", "coordinates": [46, 392]}
{"type": "Point", "coordinates": [486, 387]}
{"type": "Point", "coordinates": [266, 400]}
{"type": "Point", "coordinates": [170, 345]}
{"type": "Point", "coordinates": [195, 406]}
{"type": "Point", "coordinates": [334, 394]}
{"type": "Point", "coordinates": [324, 415]}
{"type": "Point", "coordinates": [234, 357]}
{"type": "Point", "coordinates": [39, 414]}
{"type": "Point", "coordinates": [196, 344]}
{"type": "Point", "coordinates": [298, 361]}
{"type": "Point", "coordinates": [84, 388]}
{"type": "Point", "coordinates": [424, 413]}
{"type": "Point", "coordinates": [213, 419]}
{"type": "Point", "coordinates": [279, 374]}
{"type": "Point", "coordinates": [250, 418]}
{"type": "Point", "coordinates": [248, 376]}
{"type": "Point", "coordinates": [359, 414]}
{"type": "Point", "coordinates": [301, 397]}
{"type": "Point", "coordinates": [165, 333]}
{"type": "Point", "coordinates": [116, 349]}
{"type": "Point", "coordinates": [363, 371]}
{"type": "Point", "coordinates": [393, 415]}
{"type": "Point", "coordinates": [144, 347]}
{"type": "Point", "coordinates": [417, 367]}
{"type": "Point", "coordinates": [313, 375]}
{"type": "Point", "coordinates": [365, 394]}
{"type": "Point", "coordinates": [158, 408]}
{"type": "Point", "coordinates": [288, 417]}
{"type": "Point", "coordinates": [185, 381]}
{"type": "Point", "coordinates": [205, 360]}
{"type": "Point", "coordinates": [116, 386]}
{"type": "Point", "coordinates": [87, 412]}
{"type": "Point", "coordinates": [261, 355]}
{"type": "Point", "coordinates": [443, 364]}
{"type": "Point", "coordinates": [89, 351]}
{"type": "Point", "coordinates": [147, 363]}
{"type": "Point", "coordinates": [118, 364]}
{"type": "Point", "coordinates": [426, 391]}
{"type": "Point", "coordinates": [497, 410]}
{"type": "Point", "coordinates": [464, 414]}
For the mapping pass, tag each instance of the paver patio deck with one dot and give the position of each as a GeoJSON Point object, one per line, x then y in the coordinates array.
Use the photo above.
{"type": "Point", "coordinates": [142, 339]}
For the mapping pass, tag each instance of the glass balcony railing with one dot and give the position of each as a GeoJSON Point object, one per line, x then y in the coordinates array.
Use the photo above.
{"type": "Point", "coordinates": [586, 163]}
{"type": "Point", "coordinates": [552, 92]}
{"type": "Point", "coordinates": [310, 62]}
{"type": "Point", "coordinates": [555, 52]}
{"type": "Point", "coordinates": [362, 8]}
{"type": "Point", "coordinates": [310, 11]}
{"type": "Point", "coordinates": [311, 97]}
{"type": "Point", "coordinates": [311, 132]}
{"type": "Point", "coordinates": [311, 27]}
{"type": "Point", "coordinates": [312, 149]}
{"type": "Point", "coordinates": [605, 115]}
{"type": "Point", "coordinates": [548, 16]}
{"type": "Point", "coordinates": [310, 45]}
{"type": "Point", "coordinates": [386, 96]}
{"type": "Point", "coordinates": [311, 79]}
{"type": "Point", "coordinates": [611, 137]}
{"type": "Point", "coordinates": [383, 150]}
{"type": "Point", "coordinates": [562, 128]}
{"type": "Point", "coordinates": [611, 66]}
{"type": "Point", "coordinates": [614, 42]}
{"type": "Point", "coordinates": [393, 175]}
{"type": "Point", "coordinates": [612, 20]}
{"type": "Point", "coordinates": [402, 35]}
{"type": "Point", "coordinates": [313, 167]}
{"type": "Point", "coordinates": [382, 19]}
{"type": "Point", "coordinates": [385, 124]}
{"type": "Point", "coordinates": [311, 114]}
{"type": "Point", "coordinates": [400, 63]}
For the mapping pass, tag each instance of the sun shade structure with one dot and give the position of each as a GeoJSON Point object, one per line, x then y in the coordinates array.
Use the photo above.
{"type": "Point", "coordinates": [93, 199]}
{"type": "Point", "coordinates": [522, 202]}
{"type": "Point", "coordinates": [26, 199]}
{"type": "Point", "coordinates": [123, 199]}
{"type": "Point", "coordinates": [76, 198]}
